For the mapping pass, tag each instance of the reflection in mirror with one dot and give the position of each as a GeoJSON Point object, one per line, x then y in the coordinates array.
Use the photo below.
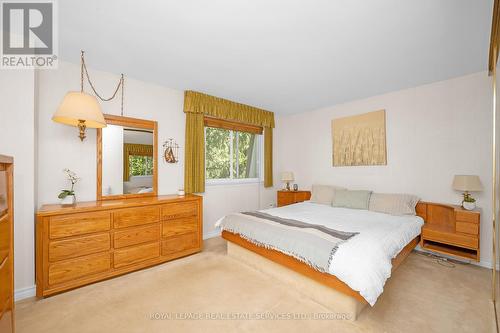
{"type": "Point", "coordinates": [127, 160]}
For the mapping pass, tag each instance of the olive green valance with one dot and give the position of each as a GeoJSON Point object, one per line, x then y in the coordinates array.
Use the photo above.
{"type": "Point", "coordinates": [197, 107]}
{"type": "Point", "coordinates": [196, 102]}
{"type": "Point", "coordinates": [133, 149]}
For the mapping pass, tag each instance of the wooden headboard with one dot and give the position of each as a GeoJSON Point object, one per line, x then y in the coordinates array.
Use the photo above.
{"type": "Point", "coordinates": [436, 213]}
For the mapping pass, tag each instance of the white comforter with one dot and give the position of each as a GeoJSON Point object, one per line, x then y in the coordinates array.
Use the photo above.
{"type": "Point", "coordinates": [364, 261]}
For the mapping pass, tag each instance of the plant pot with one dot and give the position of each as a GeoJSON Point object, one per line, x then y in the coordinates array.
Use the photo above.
{"type": "Point", "coordinates": [68, 200]}
{"type": "Point", "coordinates": [468, 205]}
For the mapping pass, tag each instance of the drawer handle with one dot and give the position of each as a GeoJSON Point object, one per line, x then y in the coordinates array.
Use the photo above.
{"type": "Point", "coordinates": [174, 216]}
{"type": "Point", "coordinates": [3, 262]}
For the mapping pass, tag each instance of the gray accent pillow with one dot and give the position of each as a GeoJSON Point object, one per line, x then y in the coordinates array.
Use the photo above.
{"type": "Point", "coordinates": [357, 199]}
{"type": "Point", "coordinates": [323, 194]}
{"type": "Point", "coordinates": [393, 203]}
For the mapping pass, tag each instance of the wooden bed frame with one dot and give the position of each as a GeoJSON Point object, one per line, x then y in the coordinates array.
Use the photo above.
{"type": "Point", "coordinates": [422, 209]}
{"type": "Point", "coordinates": [298, 266]}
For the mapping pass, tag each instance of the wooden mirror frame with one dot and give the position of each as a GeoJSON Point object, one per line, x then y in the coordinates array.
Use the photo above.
{"type": "Point", "coordinates": [129, 122]}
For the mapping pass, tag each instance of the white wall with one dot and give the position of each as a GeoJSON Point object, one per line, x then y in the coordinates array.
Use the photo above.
{"type": "Point", "coordinates": [433, 132]}
{"type": "Point", "coordinates": [220, 200]}
{"type": "Point", "coordinates": [112, 160]}
{"type": "Point", "coordinates": [17, 139]}
{"type": "Point", "coordinates": [143, 138]}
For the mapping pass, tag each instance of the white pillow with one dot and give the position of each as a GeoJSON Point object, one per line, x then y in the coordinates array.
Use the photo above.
{"type": "Point", "coordinates": [146, 190]}
{"type": "Point", "coordinates": [393, 203]}
{"type": "Point", "coordinates": [324, 194]}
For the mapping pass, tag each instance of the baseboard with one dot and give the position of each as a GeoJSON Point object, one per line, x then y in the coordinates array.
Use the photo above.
{"type": "Point", "coordinates": [23, 293]}
{"type": "Point", "coordinates": [212, 234]}
{"type": "Point", "coordinates": [485, 264]}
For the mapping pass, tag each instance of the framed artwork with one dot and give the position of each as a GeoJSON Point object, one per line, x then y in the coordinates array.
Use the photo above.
{"type": "Point", "coordinates": [359, 140]}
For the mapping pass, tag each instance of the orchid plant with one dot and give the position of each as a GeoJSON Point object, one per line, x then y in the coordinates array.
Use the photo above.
{"type": "Point", "coordinates": [72, 177]}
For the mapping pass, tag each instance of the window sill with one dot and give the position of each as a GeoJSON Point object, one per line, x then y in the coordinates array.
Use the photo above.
{"type": "Point", "coordinates": [218, 182]}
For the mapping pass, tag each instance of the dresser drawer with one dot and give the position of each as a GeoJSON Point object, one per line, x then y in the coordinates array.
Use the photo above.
{"type": "Point", "coordinates": [467, 217]}
{"type": "Point", "coordinates": [468, 241]}
{"type": "Point", "coordinates": [136, 216]}
{"type": "Point", "coordinates": [137, 235]}
{"type": "Point", "coordinates": [179, 209]}
{"type": "Point", "coordinates": [77, 268]}
{"type": "Point", "coordinates": [136, 254]}
{"type": "Point", "coordinates": [467, 228]}
{"type": "Point", "coordinates": [180, 226]}
{"type": "Point", "coordinates": [180, 243]}
{"type": "Point", "coordinates": [78, 224]}
{"type": "Point", "coordinates": [6, 281]}
{"type": "Point", "coordinates": [4, 236]}
{"type": "Point", "coordinates": [78, 247]}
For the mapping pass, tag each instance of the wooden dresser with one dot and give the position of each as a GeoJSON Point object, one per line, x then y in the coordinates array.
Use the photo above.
{"type": "Point", "coordinates": [450, 229]}
{"type": "Point", "coordinates": [6, 245]}
{"type": "Point", "coordinates": [290, 197]}
{"type": "Point", "coordinates": [93, 241]}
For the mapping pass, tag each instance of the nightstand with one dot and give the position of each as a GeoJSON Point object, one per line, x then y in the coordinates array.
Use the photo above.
{"type": "Point", "coordinates": [450, 230]}
{"type": "Point", "coordinates": [291, 197]}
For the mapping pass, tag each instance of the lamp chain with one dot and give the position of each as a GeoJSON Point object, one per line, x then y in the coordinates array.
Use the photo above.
{"type": "Point", "coordinates": [121, 83]}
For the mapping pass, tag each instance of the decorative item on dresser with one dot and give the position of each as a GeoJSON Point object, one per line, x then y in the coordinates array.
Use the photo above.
{"type": "Point", "coordinates": [6, 245]}
{"type": "Point", "coordinates": [450, 229]}
{"type": "Point", "coordinates": [93, 241]}
{"type": "Point", "coordinates": [68, 197]}
{"type": "Point", "coordinates": [290, 197]}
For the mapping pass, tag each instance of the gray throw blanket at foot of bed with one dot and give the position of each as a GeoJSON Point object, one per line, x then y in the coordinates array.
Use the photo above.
{"type": "Point", "coordinates": [310, 243]}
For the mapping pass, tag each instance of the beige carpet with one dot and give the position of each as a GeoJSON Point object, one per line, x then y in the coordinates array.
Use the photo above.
{"type": "Point", "coordinates": [422, 296]}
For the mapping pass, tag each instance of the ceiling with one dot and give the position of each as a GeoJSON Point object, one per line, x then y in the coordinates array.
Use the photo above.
{"type": "Point", "coordinates": [286, 56]}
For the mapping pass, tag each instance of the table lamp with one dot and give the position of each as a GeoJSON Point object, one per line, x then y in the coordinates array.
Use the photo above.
{"type": "Point", "coordinates": [466, 184]}
{"type": "Point", "coordinates": [287, 177]}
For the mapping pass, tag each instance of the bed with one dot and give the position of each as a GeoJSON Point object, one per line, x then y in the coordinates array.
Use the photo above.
{"type": "Point", "coordinates": [358, 266]}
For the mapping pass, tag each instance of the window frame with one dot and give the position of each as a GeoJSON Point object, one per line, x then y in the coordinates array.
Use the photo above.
{"type": "Point", "coordinates": [233, 128]}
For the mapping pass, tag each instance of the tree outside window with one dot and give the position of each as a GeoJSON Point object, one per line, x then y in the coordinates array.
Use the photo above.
{"type": "Point", "coordinates": [140, 165]}
{"type": "Point", "coordinates": [231, 154]}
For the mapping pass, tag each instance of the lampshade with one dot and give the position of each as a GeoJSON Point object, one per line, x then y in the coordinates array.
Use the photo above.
{"type": "Point", "coordinates": [79, 106]}
{"type": "Point", "coordinates": [287, 176]}
{"type": "Point", "coordinates": [469, 183]}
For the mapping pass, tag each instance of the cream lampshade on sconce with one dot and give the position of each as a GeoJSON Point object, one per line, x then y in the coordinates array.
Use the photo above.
{"type": "Point", "coordinates": [466, 184]}
{"type": "Point", "coordinates": [82, 110]}
{"type": "Point", "coordinates": [287, 177]}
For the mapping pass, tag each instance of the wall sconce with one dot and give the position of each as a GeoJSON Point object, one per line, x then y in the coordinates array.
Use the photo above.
{"type": "Point", "coordinates": [82, 110]}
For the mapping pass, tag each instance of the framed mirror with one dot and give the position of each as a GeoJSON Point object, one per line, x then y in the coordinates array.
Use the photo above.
{"type": "Point", "coordinates": [127, 158]}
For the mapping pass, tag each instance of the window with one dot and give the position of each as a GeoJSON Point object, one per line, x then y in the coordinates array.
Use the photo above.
{"type": "Point", "coordinates": [231, 154]}
{"type": "Point", "coordinates": [140, 165]}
